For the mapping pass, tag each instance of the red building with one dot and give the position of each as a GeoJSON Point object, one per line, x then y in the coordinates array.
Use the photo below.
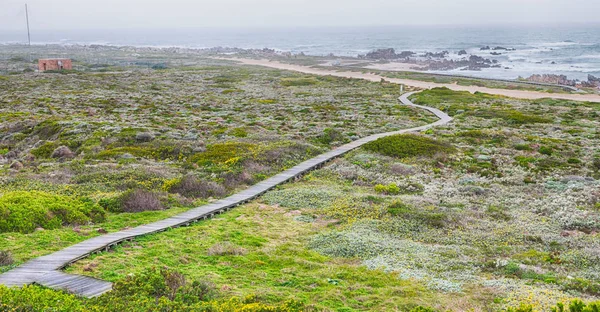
{"type": "Point", "coordinates": [54, 64]}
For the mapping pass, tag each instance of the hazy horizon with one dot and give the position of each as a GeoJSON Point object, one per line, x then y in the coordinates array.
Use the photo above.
{"type": "Point", "coordinates": [60, 15]}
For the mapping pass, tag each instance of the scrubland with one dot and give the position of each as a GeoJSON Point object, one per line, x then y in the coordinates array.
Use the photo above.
{"type": "Point", "coordinates": [498, 210]}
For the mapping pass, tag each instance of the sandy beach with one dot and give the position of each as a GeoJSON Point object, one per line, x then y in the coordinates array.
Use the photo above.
{"type": "Point", "coordinates": [521, 94]}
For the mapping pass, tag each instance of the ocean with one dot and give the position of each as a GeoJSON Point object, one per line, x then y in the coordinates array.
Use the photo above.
{"type": "Point", "coordinates": [573, 51]}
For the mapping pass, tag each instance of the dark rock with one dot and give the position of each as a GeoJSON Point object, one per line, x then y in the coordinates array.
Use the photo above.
{"type": "Point", "coordinates": [62, 152]}
{"type": "Point", "coordinates": [406, 54]}
{"type": "Point", "coordinates": [462, 52]}
{"type": "Point", "coordinates": [485, 48]}
{"type": "Point", "coordinates": [496, 53]}
{"type": "Point", "coordinates": [442, 54]}
{"type": "Point", "coordinates": [387, 54]}
{"type": "Point", "coordinates": [382, 54]}
{"type": "Point", "coordinates": [144, 137]}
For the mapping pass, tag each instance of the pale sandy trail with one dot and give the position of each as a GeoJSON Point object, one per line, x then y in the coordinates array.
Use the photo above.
{"type": "Point", "coordinates": [520, 94]}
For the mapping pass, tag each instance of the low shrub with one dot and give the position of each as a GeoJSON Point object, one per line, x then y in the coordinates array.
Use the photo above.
{"type": "Point", "coordinates": [583, 286]}
{"type": "Point", "coordinates": [6, 258]}
{"type": "Point", "coordinates": [226, 249]}
{"type": "Point", "coordinates": [545, 150]}
{"type": "Point", "coordinates": [511, 116]}
{"type": "Point", "coordinates": [45, 150]}
{"type": "Point", "coordinates": [226, 154]}
{"type": "Point", "coordinates": [522, 147]}
{"type": "Point", "coordinates": [24, 211]}
{"type": "Point", "coordinates": [232, 180]}
{"type": "Point", "coordinates": [191, 186]}
{"type": "Point", "coordinates": [390, 189]}
{"type": "Point", "coordinates": [297, 82]}
{"type": "Point", "coordinates": [139, 200]}
{"type": "Point", "coordinates": [409, 145]}
{"type": "Point", "coordinates": [596, 164]}
{"type": "Point", "coordinates": [574, 306]}
{"type": "Point", "coordinates": [239, 132]}
{"type": "Point", "coordinates": [498, 213]}
{"type": "Point", "coordinates": [331, 135]}
{"type": "Point", "coordinates": [398, 208]}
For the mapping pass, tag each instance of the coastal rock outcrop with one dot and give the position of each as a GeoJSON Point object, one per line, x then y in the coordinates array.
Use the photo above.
{"type": "Point", "coordinates": [551, 78]}
{"type": "Point", "coordinates": [442, 54]}
{"type": "Point", "coordinates": [387, 54]}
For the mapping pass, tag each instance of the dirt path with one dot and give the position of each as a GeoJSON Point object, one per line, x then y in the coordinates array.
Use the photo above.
{"type": "Point", "coordinates": [521, 94]}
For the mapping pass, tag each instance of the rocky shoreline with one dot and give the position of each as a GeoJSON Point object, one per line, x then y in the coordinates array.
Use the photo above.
{"type": "Point", "coordinates": [439, 61]}
{"type": "Point", "coordinates": [592, 81]}
{"type": "Point", "coordinates": [424, 61]}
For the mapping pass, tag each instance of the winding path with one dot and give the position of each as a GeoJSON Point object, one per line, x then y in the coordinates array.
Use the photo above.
{"type": "Point", "coordinates": [46, 270]}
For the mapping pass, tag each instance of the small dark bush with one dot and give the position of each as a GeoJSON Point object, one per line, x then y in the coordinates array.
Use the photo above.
{"type": "Point", "coordinates": [232, 180]}
{"type": "Point", "coordinates": [331, 135]}
{"type": "Point", "coordinates": [498, 213]}
{"type": "Point", "coordinates": [399, 208]}
{"type": "Point", "coordinates": [573, 161]}
{"type": "Point", "coordinates": [409, 145]}
{"type": "Point", "coordinates": [160, 66]}
{"type": "Point", "coordinates": [522, 147]}
{"type": "Point", "coordinates": [596, 164]}
{"type": "Point", "coordinates": [545, 150]}
{"type": "Point", "coordinates": [140, 200]}
{"type": "Point", "coordinates": [5, 258]}
{"type": "Point", "coordinates": [191, 186]}
{"type": "Point", "coordinates": [297, 82]}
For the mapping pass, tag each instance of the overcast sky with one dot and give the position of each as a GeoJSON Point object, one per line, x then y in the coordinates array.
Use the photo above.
{"type": "Point", "coordinates": [136, 14]}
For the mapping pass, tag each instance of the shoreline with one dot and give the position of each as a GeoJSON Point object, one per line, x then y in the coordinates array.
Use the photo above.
{"type": "Point", "coordinates": [498, 73]}
{"type": "Point", "coordinates": [521, 94]}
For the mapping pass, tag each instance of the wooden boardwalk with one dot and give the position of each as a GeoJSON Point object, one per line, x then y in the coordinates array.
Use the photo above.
{"type": "Point", "coordinates": [46, 270]}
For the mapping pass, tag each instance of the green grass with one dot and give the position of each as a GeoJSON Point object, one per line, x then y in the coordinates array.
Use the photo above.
{"type": "Point", "coordinates": [276, 256]}
{"type": "Point", "coordinates": [409, 145]}
{"type": "Point", "coordinates": [24, 247]}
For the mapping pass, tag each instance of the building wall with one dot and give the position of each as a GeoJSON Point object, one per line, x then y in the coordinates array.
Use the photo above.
{"type": "Point", "coordinates": [54, 64]}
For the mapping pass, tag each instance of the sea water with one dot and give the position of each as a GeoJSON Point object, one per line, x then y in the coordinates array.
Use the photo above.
{"type": "Point", "coordinates": [573, 50]}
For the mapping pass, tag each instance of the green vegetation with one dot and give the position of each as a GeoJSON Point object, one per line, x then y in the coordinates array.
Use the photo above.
{"type": "Point", "coordinates": [25, 211]}
{"type": "Point", "coordinates": [409, 145]}
{"type": "Point", "coordinates": [497, 210]}
{"type": "Point", "coordinates": [152, 290]}
{"type": "Point", "coordinates": [295, 82]}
